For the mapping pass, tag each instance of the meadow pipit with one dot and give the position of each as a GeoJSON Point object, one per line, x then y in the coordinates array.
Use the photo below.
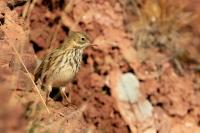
{"type": "Point", "coordinates": [61, 64]}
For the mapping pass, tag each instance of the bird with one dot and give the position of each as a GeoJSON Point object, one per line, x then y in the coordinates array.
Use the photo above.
{"type": "Point", "coordinates": [62, 64]}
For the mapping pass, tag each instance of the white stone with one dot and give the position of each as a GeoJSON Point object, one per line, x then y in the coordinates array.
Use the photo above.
{"type": "Point", "coordinates": [145, 110]}
{"type": "Point", "coordinates": [128, 88]}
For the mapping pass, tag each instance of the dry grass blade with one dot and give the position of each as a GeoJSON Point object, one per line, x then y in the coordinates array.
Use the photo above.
{"type": "Point", "coordinates": [53, 36]}
{"type": "Point", "coordinates": [28, 9]}
{"type": "Point", "coordinates": [29, 75]}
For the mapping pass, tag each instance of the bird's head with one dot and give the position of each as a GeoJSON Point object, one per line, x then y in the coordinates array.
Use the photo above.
{"type": "Point", "coordinates": [76, 40]}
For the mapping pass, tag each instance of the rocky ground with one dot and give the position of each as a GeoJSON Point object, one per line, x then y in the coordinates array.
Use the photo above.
{"type": "Point", "coordinates": [119, 88]}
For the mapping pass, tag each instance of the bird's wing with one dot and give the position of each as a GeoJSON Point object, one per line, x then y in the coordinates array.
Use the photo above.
{"type": "Point", "coordinates": [48, 63]}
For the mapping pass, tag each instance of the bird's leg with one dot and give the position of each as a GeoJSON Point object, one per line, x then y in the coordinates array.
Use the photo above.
{"type": "Point", "coordinates": [48, 89]}
{"type": "Point", "coordinates": [64, 96]}
{"type": "Point", "coordinates": [38, 84]}
{"type": "Point", "coordinates": [69, 94]}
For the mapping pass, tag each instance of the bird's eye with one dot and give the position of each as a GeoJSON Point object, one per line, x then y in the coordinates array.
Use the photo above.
{"type": "Point", "coordinates": [83, 39]}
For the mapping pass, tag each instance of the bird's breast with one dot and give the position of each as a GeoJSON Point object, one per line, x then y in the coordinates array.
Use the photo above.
{"type": "Point", "coordinates": [61, 78]}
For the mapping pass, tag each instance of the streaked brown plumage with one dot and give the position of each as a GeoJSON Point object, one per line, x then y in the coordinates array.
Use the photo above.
{"type": "Point", "coordinates": [61, 65]}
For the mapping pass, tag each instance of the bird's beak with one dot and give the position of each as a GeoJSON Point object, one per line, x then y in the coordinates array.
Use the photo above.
{"type": "Point", "coordinates": [92, 45]}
